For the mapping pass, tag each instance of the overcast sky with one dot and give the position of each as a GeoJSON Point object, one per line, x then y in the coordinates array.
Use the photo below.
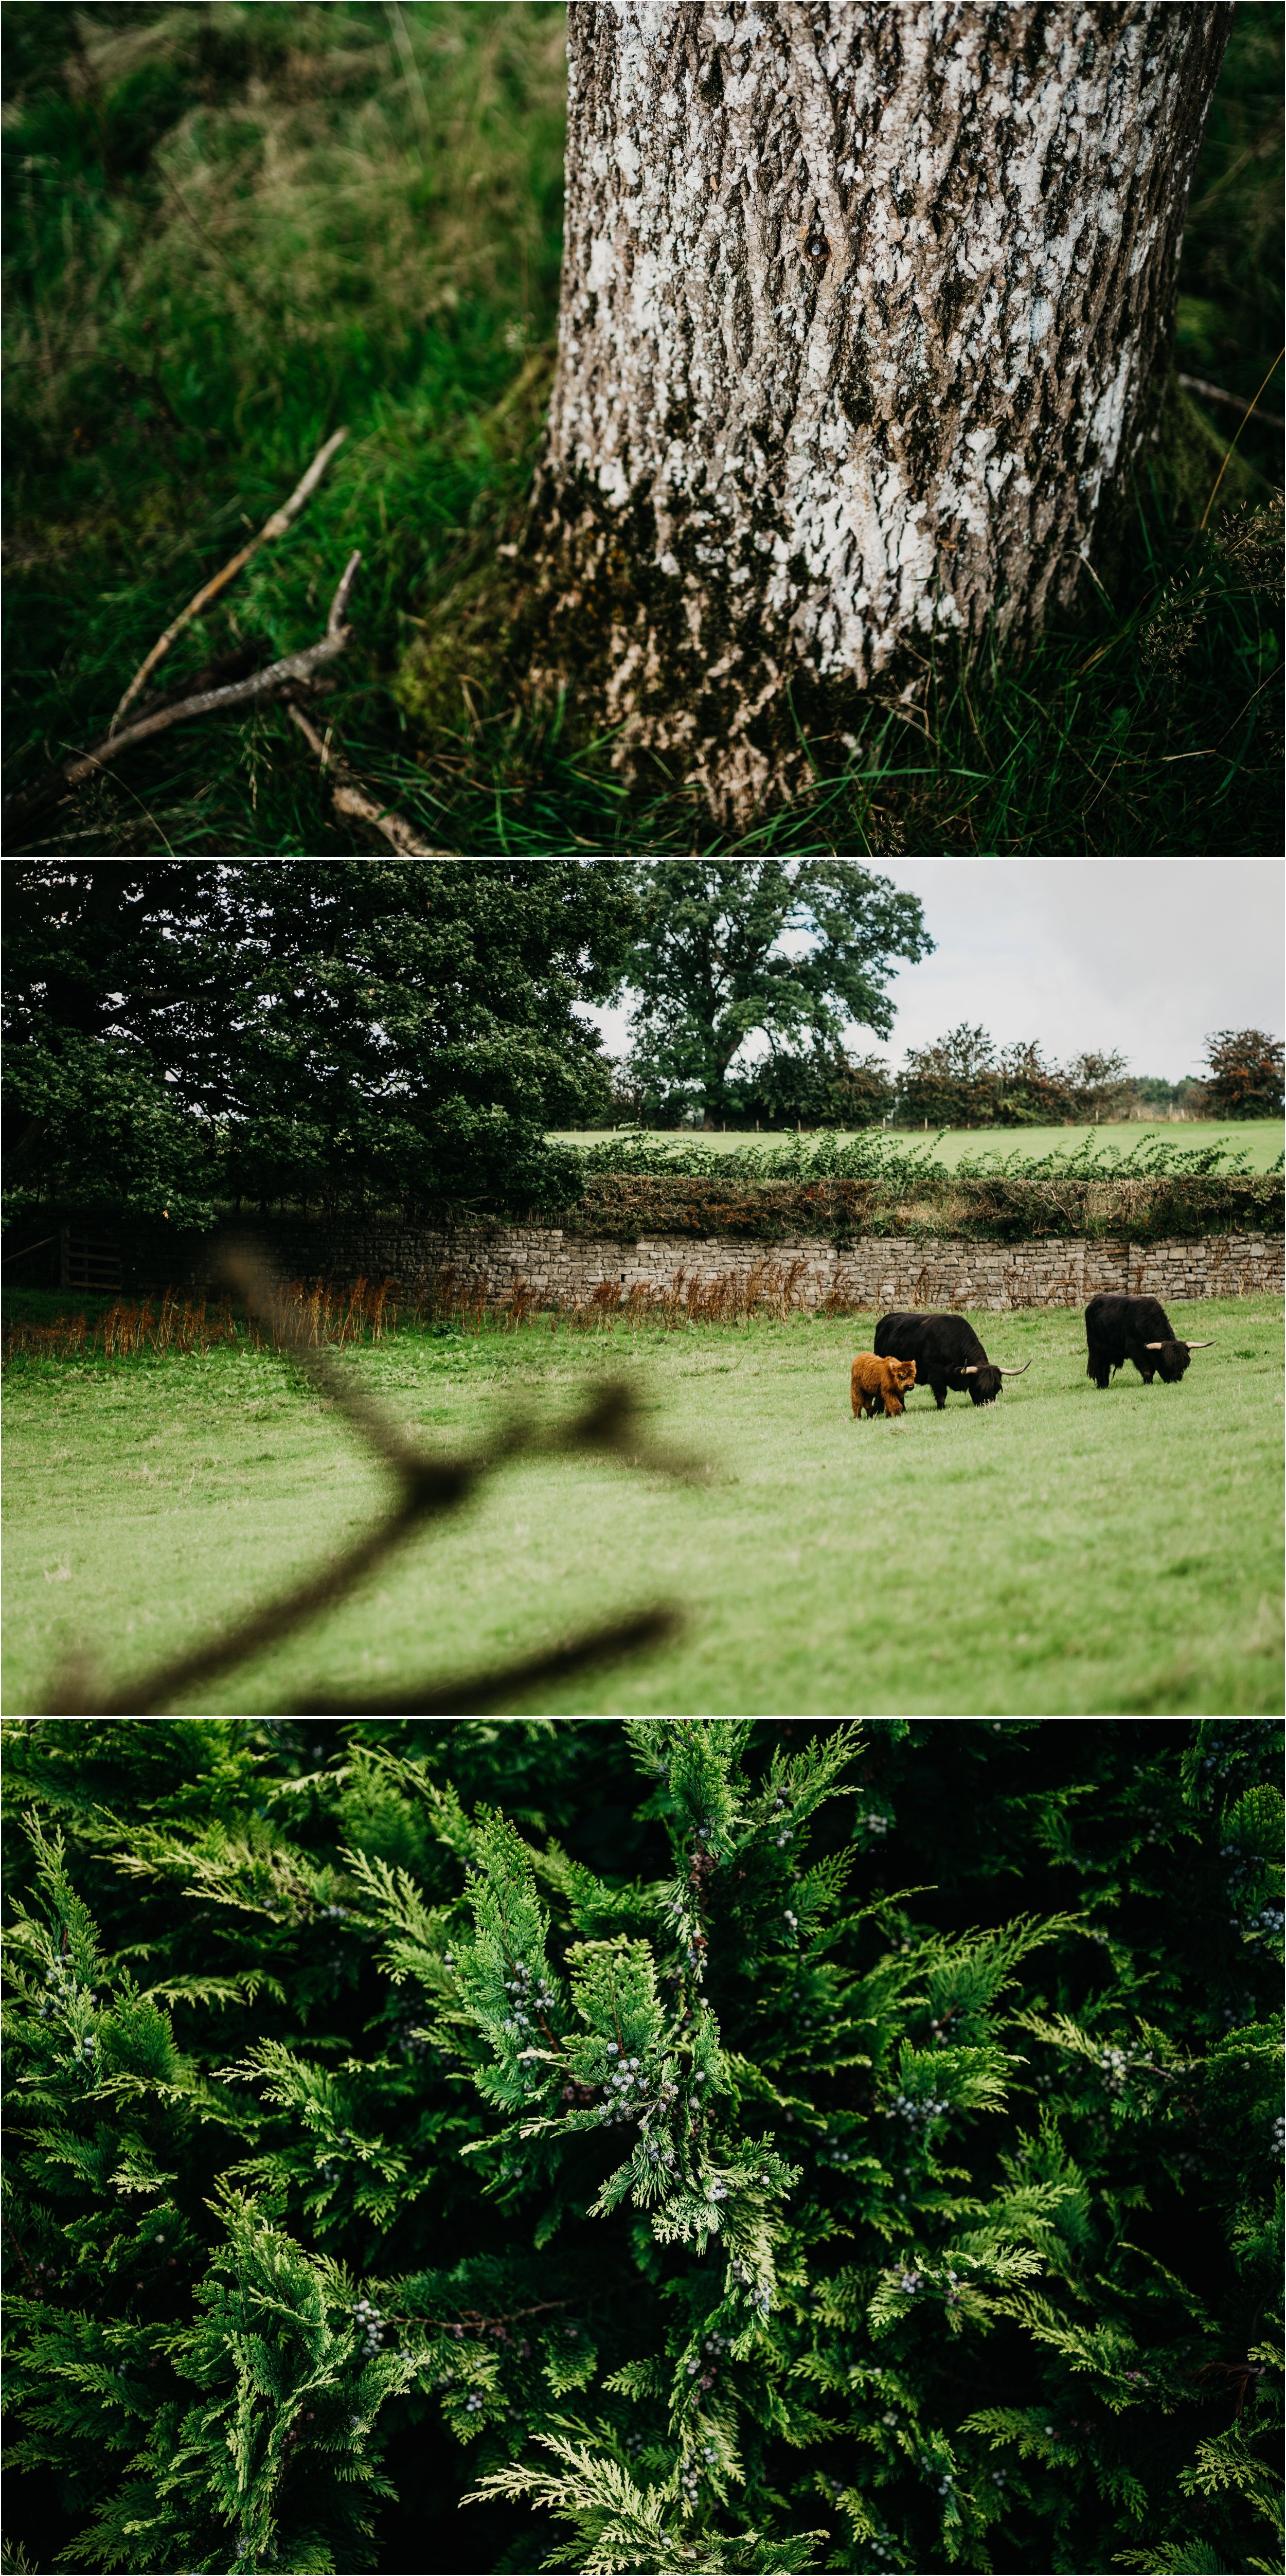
{"type": "Point", "coordinates": [1144, 955]}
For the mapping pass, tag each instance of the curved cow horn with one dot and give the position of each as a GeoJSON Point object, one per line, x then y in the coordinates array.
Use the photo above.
{"type": "Point", "coordinates": [1022, 1372]}
{"type": "Point", "coordinates": [971, 1370]}
{"type": "Point", "coordinates": [1198, 1346]}
{"type": "Point", "coordinates": [1154, 1346]}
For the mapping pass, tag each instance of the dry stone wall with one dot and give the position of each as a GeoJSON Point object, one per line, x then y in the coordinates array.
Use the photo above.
{"type": "Point", "coordinates": [875, 1272]}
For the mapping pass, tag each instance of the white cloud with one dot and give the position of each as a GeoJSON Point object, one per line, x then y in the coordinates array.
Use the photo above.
{"type": "Point", "coordinates": [1144, 955]}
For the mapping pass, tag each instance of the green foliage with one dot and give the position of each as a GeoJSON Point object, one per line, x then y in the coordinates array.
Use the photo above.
{"type": "Point", "coordinates": [880, 1183]}
{"type": "Point", "coordinates": [1230, 280]}
{"type": "Point", "coordinates": [399, 1030]}
{"type": "Point", "coordinates": [905, 1162]}
{"type": "Point", "coordinates": [229, 230]}
{"type": "Point", "coordinates": [796, 2218]}
{"type": "Point", "coordinates": [829, 1088]}
{"type": "Point", "coordinates": [963, 1080]}
{"type": "Point", "coordinates": [96, 1130]}
{"type": "Point", "coordinates": [1245, 1077]}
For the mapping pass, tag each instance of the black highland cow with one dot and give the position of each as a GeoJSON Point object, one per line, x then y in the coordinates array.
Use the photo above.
{"type": "Point", "coordinates": [1118, 1329]}
{"type": "Point", "coordinates": [947, 1352]}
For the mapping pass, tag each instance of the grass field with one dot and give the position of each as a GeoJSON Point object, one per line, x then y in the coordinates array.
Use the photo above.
{"type": "Point", "coordinates": [1063, 1553]}
{"type": "Point", "coordinates": [230, 230]}
{"type": "Point", "coordinates": [1260, 1139]}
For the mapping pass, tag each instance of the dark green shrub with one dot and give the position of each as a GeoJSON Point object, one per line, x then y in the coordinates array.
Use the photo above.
{"type": "Point", "coordinates": [855, 2152]}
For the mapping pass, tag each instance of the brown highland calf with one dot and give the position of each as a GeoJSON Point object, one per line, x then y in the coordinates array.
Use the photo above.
{"type": "Point", "coordinates": [878, 1386]}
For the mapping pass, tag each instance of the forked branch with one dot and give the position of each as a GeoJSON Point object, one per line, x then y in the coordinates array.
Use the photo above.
{"type": "Point", "coordinates": [425, 1489]}
{"type": "Point", "coordinates": [296, 670]}
{"type": "Point", "coordinates": [276, 526]}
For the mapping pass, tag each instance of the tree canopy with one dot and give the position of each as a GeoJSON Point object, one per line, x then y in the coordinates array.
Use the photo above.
{"type": "Point", "coordinates": [1245, 1077]}
{"type": "Point", "coordinates": [720, 957]}
{"type": "Point", "coordinates": [400, 1029]}
{"type": "Point", "coordinates": [965, 1080]}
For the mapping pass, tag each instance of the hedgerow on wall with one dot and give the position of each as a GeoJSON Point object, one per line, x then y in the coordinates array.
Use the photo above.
{"type": "Point", "coordinates": [877, 1184]}
{"type": "Point", "coordinates": [641, 2147]}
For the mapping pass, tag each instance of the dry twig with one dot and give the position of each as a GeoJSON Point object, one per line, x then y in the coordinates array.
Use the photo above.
{"type": "Point", "coordinates": [276, 526]}
{"type": "Point", "coordinates": [1215, 393]}
{"type": "Point", "coordinates": [426, 1489]}
{"type": "Point", "coordinates": [351, 797]}
{"type": "Point", "coordinates": [296, 670]}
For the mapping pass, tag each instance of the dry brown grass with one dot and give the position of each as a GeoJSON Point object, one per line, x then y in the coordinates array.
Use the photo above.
{"type": "Point", "coordinates": [127, 1330]}
{"type": "Point", "coordinates": [688, 1297]}
{"type": "Point", "coordinates": [138, 1328]}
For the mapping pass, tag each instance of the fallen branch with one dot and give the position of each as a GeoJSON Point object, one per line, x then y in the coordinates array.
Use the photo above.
{"type": "Point", "coordinates": [276, 526]}
{"type": "Point", "coordinates": [350, 796]}
{"type": "Point", "coordinates": [297, 669]}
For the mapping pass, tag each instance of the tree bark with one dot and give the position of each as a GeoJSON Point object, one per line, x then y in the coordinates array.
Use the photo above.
{"type": "Point", "coordinates": [860, 304]}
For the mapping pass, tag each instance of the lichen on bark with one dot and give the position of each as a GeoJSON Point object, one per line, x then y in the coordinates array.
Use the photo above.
{"type": "Point", "coordinates": [861, 304]}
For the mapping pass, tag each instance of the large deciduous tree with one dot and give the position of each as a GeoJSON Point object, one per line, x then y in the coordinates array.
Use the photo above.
{"type": "Point", "coordinates": [1245, 1077]}
{"type": "Point", "coordinates": [829, 1088]}
{"type": "Point", "coordinates": [337, 1030]}
{"type": "Point", "coordinates": [860, 309]}
{"type": "Point", "coordinates": [794, 950]}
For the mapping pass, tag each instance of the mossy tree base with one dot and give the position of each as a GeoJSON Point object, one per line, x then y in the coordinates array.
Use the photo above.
{"type": "Point", "coordinates": [859, 315]}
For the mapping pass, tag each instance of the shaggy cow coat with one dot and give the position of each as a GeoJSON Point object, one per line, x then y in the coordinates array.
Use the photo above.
{"type": "Point", "coordinates": [947, 1352]}
{"type": "Point", "coordinates": [878, 1386]}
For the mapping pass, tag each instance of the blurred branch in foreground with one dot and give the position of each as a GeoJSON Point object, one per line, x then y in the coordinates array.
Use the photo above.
{"type": "Point", "coordinates": [425, 1489]}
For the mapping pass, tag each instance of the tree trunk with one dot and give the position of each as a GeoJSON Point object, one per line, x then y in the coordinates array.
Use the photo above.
{"type": "Point", "coordinates": [859, 306]}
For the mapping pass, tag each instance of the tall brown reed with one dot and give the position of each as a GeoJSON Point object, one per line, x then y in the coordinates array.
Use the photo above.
{"type": "Point", "coordinates": [132, 1329]}
{"type": "Point", "coordinates": [700, 1297]}
{"type": "Point", "coordinates": [317, 1314]}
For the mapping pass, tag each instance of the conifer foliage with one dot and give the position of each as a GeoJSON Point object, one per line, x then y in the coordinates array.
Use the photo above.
{"type": "Point", "coordinates": [643, 2147]}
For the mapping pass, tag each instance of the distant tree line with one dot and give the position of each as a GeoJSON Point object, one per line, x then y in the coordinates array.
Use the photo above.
{"type": "Point", "coordinates": [964, 1080]}
{"type": "Point", "coordinates": [799, 953]}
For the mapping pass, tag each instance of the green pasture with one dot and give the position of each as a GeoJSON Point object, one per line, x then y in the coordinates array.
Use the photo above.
{"type": "Point", "coordinates": [231, 230]}
{"type": "Point", "coordinates": [1063, 1553]}
{"type": "Point", "coordinates": [1261, 1139]}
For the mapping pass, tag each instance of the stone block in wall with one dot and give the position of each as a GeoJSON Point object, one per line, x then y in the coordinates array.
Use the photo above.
{"type": "Point", "coordinates": [875, 1272]}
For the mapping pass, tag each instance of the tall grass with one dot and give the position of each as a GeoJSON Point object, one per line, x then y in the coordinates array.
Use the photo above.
{"type": "Point", "coordinates": [231, 229]}
{"type": "Point", "coordinates": [137, 1329]}
{"type": "Point", "coordinates": [451, 1305]}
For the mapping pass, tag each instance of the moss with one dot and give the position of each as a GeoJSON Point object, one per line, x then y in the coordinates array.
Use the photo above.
{"type": "Point", "coordinates": [458, 666]}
